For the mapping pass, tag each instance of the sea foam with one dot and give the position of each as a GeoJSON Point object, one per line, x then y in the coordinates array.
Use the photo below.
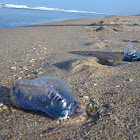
{"type": "Point", "coordinates": [44, 8]}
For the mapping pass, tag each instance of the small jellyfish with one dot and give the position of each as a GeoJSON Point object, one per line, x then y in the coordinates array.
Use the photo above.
{"type": "Point", "coordinates": [47, 94]}
{"type": "Point", "coordinates": [131, 53]}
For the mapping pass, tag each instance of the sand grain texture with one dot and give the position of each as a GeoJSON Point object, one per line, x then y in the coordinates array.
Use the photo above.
{"type": "Point", "coordinates": [88, 55]}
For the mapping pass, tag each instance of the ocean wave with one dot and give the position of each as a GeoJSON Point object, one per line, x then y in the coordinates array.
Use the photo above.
{"type": "Point", "coordinates": [44, 8]}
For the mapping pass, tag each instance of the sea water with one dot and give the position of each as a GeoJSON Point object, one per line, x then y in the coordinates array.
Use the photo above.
{"type": "Point", "coordinates": [17, 13]}
{"type": "Point", "coordinates": [22, 15]}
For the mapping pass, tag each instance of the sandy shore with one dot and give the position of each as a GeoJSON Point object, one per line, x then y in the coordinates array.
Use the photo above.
{"type": "Point", "coordinates": [88, 55]}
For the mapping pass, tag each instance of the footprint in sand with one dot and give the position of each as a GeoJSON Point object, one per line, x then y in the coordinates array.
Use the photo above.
{"type": "Point", "coordinates": [91, 62]}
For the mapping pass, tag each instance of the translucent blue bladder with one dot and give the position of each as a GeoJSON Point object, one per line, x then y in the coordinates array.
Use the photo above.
{"type": "Point", "coordinates": [131, 54]}
{"type": "Point", "coordinates": [47, 94]}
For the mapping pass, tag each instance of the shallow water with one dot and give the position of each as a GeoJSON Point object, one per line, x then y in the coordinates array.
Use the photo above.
{"type": "Point", "coordinates": [24, 17]}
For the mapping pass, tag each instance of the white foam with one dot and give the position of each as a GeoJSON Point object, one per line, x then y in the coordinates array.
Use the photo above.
{"type": "Point", "coordinates": [44, 8]}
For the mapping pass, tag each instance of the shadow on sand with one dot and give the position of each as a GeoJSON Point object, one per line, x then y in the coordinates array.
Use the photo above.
{"type": "Point", "coordinates": [99, 54]}
{"type": "Point", "coordinates": [105, 58]}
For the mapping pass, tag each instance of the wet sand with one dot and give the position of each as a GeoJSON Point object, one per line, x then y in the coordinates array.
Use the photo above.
{"type": "Point", "coordinates": [88, 55]}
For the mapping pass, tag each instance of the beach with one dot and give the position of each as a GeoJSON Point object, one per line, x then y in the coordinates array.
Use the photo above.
{"type": "Point", "coordinates": [88, 55]}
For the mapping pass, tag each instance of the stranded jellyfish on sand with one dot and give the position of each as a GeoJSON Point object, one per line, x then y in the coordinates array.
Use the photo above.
{"type": "Point", "coordinates": [47, 94]}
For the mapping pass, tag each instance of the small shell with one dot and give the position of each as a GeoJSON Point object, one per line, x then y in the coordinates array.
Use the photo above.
{"type": "Point", "coordinates": [47, 94]}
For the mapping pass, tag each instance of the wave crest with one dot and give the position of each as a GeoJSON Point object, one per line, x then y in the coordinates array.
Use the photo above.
{"type": "Point", "coordinates": [44, 8]}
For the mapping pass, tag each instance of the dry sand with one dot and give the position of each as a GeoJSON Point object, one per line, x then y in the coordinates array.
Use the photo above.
{"type": "Point", "coordinates": [88, 55]}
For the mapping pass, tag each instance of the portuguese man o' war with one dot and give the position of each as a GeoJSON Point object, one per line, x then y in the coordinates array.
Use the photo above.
{"type": "Point", "coordinates": [47, 94]}
{"type": "Point", "coordinates": [131, 53]}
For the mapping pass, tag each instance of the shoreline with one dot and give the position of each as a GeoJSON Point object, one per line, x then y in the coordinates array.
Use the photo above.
{"type": "Point", "coordinates": [111, 16]}
{"type": "Point", "coordinates": [73, 20]}
{"type": "Point", "coordinates": [88, 55]}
